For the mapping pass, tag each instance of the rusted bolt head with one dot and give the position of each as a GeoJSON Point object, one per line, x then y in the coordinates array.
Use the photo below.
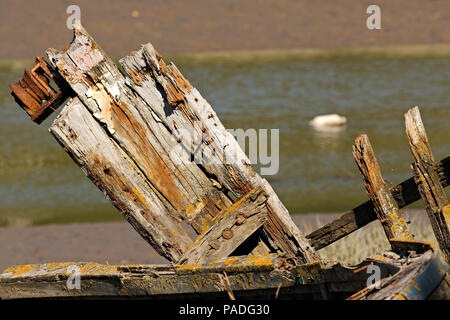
{"type": "Point", "coordinates": [227, 233]}
{"type": "Point", "coordinates": [240, 219]}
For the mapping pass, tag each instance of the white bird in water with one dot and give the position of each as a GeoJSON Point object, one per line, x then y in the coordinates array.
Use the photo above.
{"type": "Point", "coordinates": [328, 120]}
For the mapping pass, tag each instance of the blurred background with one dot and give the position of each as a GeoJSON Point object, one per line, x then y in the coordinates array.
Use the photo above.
{"type": "Point", "coordinates": [261, 64]}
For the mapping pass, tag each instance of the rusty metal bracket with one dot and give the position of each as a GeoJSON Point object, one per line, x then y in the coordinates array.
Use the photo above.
{"type": "Point", "coordinates": [35, 95]}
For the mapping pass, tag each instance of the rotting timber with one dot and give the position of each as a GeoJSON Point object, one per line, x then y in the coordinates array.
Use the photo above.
{"type": "Point", "coordinates": [126, 129]}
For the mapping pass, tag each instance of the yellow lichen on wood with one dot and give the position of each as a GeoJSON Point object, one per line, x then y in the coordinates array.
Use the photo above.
{"type": "Point", "coordinates": [139, 195]}
{"type": "Point", "coordinates": [188, 266]}
{"type": "Point", "coordinates": [446, 212]}
{"type": "Point", "coordinates": [22, 269]}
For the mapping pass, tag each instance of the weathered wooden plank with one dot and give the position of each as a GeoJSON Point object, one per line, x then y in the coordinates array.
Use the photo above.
{"type": "Point", "coordinates": [246, 273]}
{"type": "Point", "coordinates": [221, 156]}
{"type": "Point", "coordinates": [427, 179]}
{"type": "Point", "coordinates": [386, 208]}
{"type": "Point", "coordinates": [115, 173]}
{"type": "Point", "coordinates": [249, 277]}
{"type": "Point", "coordinates": [232, 227]}
{"type": "Point", "coordinates": [146, 125]}
{"type": "Point", "coordinates": [404, 194]}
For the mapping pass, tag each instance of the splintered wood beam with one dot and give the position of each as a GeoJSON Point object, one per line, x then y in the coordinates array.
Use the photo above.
{"type": "Point", "coordinates": [115, 173]}
{"type": "Point", "coordinates": [427, 179]}
{"type": "Point", "coordinates": [404, 194]}
{"type": "Point", "coordinates": [233, 226]}
{"type": "Point", "coordinates": [180, 107]}
{"type": "Point", "coordinates": [191, 165]}
{"type": "Point", "coordinates": [386, 208]}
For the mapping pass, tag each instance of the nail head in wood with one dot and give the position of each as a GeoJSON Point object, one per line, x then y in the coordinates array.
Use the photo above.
{"type": "Point", "coordinates": [240, 219]}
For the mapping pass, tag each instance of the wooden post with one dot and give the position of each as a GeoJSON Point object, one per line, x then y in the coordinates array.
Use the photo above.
{"type": "Point", "coordinates": [404, 194]}
{"type": "Point", "coordinates": [386, 207]}
{"type": "Point", "coordinates": [143, 115]}
{"type": "Point", "coordinates": [427, 180]}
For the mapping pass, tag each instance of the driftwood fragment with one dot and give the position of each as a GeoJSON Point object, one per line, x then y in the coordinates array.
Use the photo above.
{"type": "Point", "coordinates": [144, 114]}
{"type": "Point", "coordinates": [404, 194]}
{"type": "Point", "coordinates": [427, 179]}
{"type": "Point", "coordinates": [386, 208]}
{"type": "Point", "coordinates": [233, 226]}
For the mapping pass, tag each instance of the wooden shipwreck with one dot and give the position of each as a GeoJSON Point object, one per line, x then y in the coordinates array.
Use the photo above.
{"type": "Point", "coordinates": [158, 151]}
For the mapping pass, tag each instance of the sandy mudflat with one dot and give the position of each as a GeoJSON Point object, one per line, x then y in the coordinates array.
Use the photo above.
{"type": "Point", "coordinates": [29, 27]}
{"type": "Point", "coordinates": [109, 242]}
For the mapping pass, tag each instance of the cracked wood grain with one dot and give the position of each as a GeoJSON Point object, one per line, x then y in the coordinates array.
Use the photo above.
{"type": "Point", "coordinates": [233, 226]}
{"type": "Point", "coordinates": [115, 173]}
{"type": "Point", "coordinates": [427, 179]}
{"type": "Point", "coordinates": [386, 208]}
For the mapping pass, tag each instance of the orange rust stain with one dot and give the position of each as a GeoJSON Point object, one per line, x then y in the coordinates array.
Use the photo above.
{"type": "Point", "coordinates": [174, 97]}
{"type": "Point", "coordinates": [147, 157]}
{"type": "Point", "coordinates": [241, 185]}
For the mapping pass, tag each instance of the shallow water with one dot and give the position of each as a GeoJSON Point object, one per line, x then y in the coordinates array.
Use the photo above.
{"type": "Point", "coordinates": [40, 184]}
